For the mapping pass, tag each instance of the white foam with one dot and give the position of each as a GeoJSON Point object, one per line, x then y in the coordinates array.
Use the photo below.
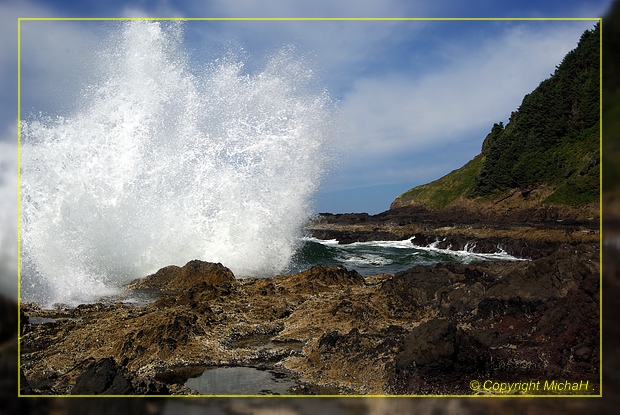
{"type": "Point", "coordinates": [366, 260]}
{"type": "Point", "coordinates": [403, 244]}
{"type": "Point", "coordinates": [467, 255]}
{"type": "Point", "coordinates": [326, 242]}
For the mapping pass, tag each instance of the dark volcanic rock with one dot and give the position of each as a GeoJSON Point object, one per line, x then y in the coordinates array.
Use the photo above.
{"type": "Point", "coordinates": [424, 285]}
{"type": "Point", "coordinates": [429, 347]}
{"type": "Point", "coordinates": [102, 377]}
{"type": "Point", "coordinates": [570, 333]}
{"type": "Point", "coordinates": [486, 289]}
{"type": "Point", "coordinates": [329, 340]}
{"type": "Point", "coordinates": [537, 319]}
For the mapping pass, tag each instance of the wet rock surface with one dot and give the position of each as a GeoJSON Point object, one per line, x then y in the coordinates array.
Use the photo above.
{"type": "Point", "coordinates": [426, 330]}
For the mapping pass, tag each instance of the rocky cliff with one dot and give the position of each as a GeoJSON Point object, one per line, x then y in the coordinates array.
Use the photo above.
{"type": "Point", "coordinates": [547, 156]}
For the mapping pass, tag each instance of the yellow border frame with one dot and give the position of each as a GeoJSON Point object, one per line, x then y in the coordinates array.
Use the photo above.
{"type": "Point", "coordinates": [501, 396]}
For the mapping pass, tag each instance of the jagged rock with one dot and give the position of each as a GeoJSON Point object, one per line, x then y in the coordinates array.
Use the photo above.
{"type": "Point", "coordinates": [329, 340]}
{"type": "Point", "coordinates": [157, 333]}
{"type": "Point", "coordinates": [321, 278]}
{"type": "Point", "coordinates": [102, 377]}
{"type": "Point", "coordinates": [423, 285]}
{"type": "Point", "coordinates": [430, 347]}
{"type": "Point", "coordinates": [194, 274]}
{"type": "Point", "coordinates": [571, 332]}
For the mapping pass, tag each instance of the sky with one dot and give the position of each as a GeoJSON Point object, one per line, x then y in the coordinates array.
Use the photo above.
{"type": "Point", "coordinates": [414, 99]}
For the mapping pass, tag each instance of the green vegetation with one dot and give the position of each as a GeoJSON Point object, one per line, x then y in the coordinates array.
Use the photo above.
{"type": "Point", "coordinates": [552, 140]}
{"type": "Point", "coordinates": [552, 135]}
{"type": "Point", "coordinates": [440, 193]}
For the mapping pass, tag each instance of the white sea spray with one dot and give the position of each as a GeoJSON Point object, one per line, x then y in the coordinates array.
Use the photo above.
{"type": "Point", "coordinates": [163, 163]}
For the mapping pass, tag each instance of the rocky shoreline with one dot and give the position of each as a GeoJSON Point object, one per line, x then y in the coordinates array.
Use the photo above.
{"type": "Point", "coordinates": [450, 230]}
{"type": "Point", "coordinates": [329, 331]}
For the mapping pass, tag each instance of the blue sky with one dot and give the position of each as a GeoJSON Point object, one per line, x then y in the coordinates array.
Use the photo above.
{"type": "Point", "coordinates": [415, 98]}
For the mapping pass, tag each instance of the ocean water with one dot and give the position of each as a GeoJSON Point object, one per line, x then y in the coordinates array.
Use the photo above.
{"type": "Point", "coordinates": [376, 257]}
{"type": "Point", "coordinates": [164, 161]}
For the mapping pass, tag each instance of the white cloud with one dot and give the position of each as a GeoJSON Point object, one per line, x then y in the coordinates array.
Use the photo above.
{"type": "Point", "coordinates": [341, 50]}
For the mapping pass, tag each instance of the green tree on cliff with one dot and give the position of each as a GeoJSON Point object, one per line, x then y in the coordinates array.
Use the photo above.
{"type": "Point", "coordinates": [553, 138]}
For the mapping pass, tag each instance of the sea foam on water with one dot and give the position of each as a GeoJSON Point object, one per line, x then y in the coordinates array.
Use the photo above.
{"type": "Point", "coordinates": [163, 163]}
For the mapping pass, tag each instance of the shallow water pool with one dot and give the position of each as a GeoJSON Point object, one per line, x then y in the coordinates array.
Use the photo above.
{"type": "Point", "coordinates": [240, 381]}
